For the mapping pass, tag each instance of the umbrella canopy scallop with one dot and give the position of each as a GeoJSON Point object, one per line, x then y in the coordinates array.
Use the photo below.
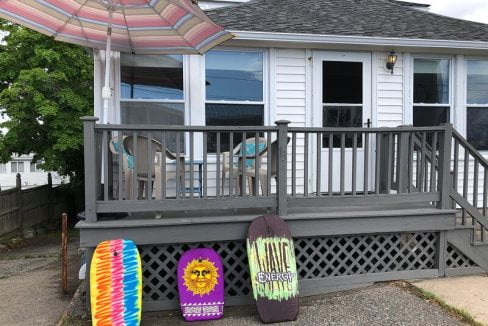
{"type": "Point", "coordinates": [137, 26]}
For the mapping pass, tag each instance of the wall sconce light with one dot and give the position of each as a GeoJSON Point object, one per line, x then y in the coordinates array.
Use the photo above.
{"type": "Point", "coordinates": [391, 60]}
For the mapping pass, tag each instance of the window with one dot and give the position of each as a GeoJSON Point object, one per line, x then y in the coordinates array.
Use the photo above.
{"type": "Point", "coordinates": [3, 168]}
{"type": "Point", "coordinates": [234, 92]}
{"type": "Point", "coordinates": [16, 167]}
{"type": "Point", "coordinates": [35, 167]}
{"type": "Point", "coordinates": [431, 94]}
{"type": "Point", "coordinates": [342, 98]}
{"type": "Point", "coordinates": [152, 91]}
{"type": "Point", "coordinates": [477, 103]}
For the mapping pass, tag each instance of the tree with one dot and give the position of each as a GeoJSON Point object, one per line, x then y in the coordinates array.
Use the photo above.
{"type": "Point", "coordinates": [45, 87]}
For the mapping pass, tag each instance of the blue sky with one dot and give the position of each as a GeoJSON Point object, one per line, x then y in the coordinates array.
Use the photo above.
{"type": "Point", "coordinates": [476, 10]}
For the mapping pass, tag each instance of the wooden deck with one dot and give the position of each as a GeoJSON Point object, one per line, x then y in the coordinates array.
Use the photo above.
{"type": "Point", "coordinates": [363, 204]}
{"type": "Point", "coordinates": [226, 225]}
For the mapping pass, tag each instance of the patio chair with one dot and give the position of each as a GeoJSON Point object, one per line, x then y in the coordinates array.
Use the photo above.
{"type": "Point", "coordinates": [263, 171]}
{"type": "Point", "coordinates": [250, 151]}
{"type": "Point", "coordinates": [128, 163]}
{"type": "Point", "coordinates": [141, 159]}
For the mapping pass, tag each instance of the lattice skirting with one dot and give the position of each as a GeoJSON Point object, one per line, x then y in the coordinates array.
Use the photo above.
{"type": "Point", "coordinates": [317, 258]}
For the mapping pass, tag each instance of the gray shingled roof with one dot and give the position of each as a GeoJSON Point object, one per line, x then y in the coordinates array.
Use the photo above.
{"type": "Point", "coordinates": [379, 18]}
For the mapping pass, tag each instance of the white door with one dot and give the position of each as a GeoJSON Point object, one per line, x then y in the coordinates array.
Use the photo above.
{"type": "Point", "coordinates": [342, 98]}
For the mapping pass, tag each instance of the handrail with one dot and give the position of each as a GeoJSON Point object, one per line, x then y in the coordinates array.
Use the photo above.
{"type": "Point", "coordinates": [473, 151]}
{"type": "Point", "coordinates": [478, 215]}
{"type": "Point", "coordinates": [115, 127]}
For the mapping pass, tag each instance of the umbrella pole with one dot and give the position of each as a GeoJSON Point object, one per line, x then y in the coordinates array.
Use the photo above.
{"type": "Point", "coordinates": [106, 91]}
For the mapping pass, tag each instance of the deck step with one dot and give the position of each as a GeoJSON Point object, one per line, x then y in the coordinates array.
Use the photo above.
{"type": "Point", "coordinates": [461, 238]}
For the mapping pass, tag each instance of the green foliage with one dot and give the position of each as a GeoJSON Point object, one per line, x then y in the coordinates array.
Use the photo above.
{"type": "Point", "coordinates": [45, 87]}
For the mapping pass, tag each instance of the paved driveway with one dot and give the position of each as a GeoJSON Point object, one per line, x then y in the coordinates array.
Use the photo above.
{"type": "Point", "coordinates": [30, 283]}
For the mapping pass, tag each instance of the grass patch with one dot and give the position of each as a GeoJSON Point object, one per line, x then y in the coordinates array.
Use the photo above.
{"type": "Point", "coordinates": [430, 297]}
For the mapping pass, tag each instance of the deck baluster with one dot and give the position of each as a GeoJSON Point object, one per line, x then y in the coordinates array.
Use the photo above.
{"type": "Point", "coordinates": [149, 169]}
{"type": "Point", "coordinates": [331, 164]}
{"type": "Point", "coordinates": [305, 162]}
{"type": "Point", "coordinates": [366, 164]}
{"type": "Point", "coordinates": [120, 159]}
{"type": "Point", "coordinates": [163, 165]}
{"type": "Point", "coordinates": [192, 177]}
{"type": "Point", "coordinates": [217, 154]}
{"type": "Point", "coordinates": [204, 182]}
{"type": "Point", "coordinates": [294, 164]}
{"type": "Point", "coordinates": [319, 162]}
{"type": "Point", "coordinates": [354, 161]}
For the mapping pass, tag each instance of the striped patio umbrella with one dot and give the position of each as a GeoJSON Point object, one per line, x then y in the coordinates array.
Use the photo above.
{"type": "Point", "coordinates": [137, 26]}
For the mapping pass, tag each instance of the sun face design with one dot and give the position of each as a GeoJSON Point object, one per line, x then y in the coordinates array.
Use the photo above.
{"type": "Point", "coordinates": [200, 276]}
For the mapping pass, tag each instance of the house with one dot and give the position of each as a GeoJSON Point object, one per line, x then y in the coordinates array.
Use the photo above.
{"type": "Point", "coordinates": [375, 160]}
{"type": "Point", "coordinates": [31, 173]}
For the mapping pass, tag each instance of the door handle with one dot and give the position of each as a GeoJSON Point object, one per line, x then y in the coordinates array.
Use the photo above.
{"type": "Point", "coordinates": [368, 123]}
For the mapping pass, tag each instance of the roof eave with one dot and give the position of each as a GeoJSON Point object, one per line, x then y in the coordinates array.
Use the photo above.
{"type": "Point", "coordinates": [357, 40]}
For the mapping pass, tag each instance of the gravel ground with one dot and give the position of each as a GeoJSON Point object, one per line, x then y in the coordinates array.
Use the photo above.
{"type": "Point", "coordinates": [381, 304]}
{"type": "Point", "coordinates": [30, 282]}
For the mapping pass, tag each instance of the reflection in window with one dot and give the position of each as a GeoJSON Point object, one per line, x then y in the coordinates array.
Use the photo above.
{"type": "Point", "coordinates": [144, 113]}
{"type": "Point", "coordinates": [431, 81]}
{"type": "Point", "coordinates": [477, 82]}
{"type": "Point", "coordinates": [477, 101]}
{"type": "Point", "coordinates": [151, 76]}
{"type": "Point", "coordinates": [477, 128]}
{"type": "Point", "coordinates": [342, 98]}
{"type": "Point", "coordinates": [342, 116]}
{"type": "Point", "coordinates": [234, 76]}
{"type": "Point", "coordinates": [234, 79]}
{"type": "Point", "coordinates": [152, 93]}
{"type": "Point", "coordinates": [227, 115]}
{"type": "Point", "coordinates": [3, 168]}
{"type": "Point", "coordinates": [431, 92]}
{"type": "Point", "coordinates": [425, 116]}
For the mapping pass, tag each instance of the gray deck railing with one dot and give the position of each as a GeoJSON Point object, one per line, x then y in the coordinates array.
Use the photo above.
{"type": "Point", "coordinates": [183, 168]}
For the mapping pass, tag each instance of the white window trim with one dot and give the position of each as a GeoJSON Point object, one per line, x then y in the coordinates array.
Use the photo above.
{"type": "Point", "coordinates": [409, 104]}
{"type": "Point", "coordinates": [265, 102]}
{"type": "Point", "coordinates": [464, 114]}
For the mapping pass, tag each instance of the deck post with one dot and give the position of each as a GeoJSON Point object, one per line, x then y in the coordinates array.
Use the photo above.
{"type": "Point", "coordinates": [282, 187]}
{"type": "Point", "coordinates": [90, 173]}
{"type": "Point", "coordinates": [402, 163]}
{"type": "Point", "coordinates": [444, 179]}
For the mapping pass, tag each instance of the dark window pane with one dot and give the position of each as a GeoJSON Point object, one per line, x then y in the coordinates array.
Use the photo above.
{"type": "Point", "coordinates": [151, 76]}
{"type": "Point", "coordinates": [231, 115]}
{"type": "Point", "coordinates": [430, 116]}
{"type": "Point", "coordinates": [145, 113]}
{"type": "Point", "coordinates": [477, 82]}
{"type": "Point", "coordinates": [342, 82]}
{"type": "Point", "coordinates": [477, 127]}
{"type": "Point", "coordinates": [341, 116]}
{"type": "Point", "coordinates": [431, 81]}
{"type": "Point", "coordinates": [234, 76]}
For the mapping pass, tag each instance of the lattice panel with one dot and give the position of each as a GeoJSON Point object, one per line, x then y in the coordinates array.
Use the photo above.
{"type": "Point", "coordinates": [159, 269]}
{"type": "Point", "coordinates": [337, 256]}
{"type": "Point", "coordinates": [456, 259]}
{"type": "Point", "coordinates": [316, 258]}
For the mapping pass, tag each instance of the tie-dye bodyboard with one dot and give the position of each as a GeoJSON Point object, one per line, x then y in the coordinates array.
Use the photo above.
{"type": "Point", "coordinates": [116, 284]}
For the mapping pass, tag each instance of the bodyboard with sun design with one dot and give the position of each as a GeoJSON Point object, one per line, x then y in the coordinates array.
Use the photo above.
{"type": "Point", "coordinates": [272, 269]}
{"type": "Point", "coordinates": [201, 284]}
{"type": "Point", "coordinates": [116, 284]}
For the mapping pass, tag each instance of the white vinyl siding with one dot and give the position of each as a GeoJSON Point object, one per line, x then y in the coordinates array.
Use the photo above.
{"type": "Point", "coordinates": [290, 99]}
{"type": "Point", "coordinates": [389, 92]}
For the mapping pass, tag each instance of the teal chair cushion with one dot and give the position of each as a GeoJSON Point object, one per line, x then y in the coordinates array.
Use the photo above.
{"type": "Point", "coordinates": [251, 150]}
{"type": "Point", "coordinates": [130, 158]}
